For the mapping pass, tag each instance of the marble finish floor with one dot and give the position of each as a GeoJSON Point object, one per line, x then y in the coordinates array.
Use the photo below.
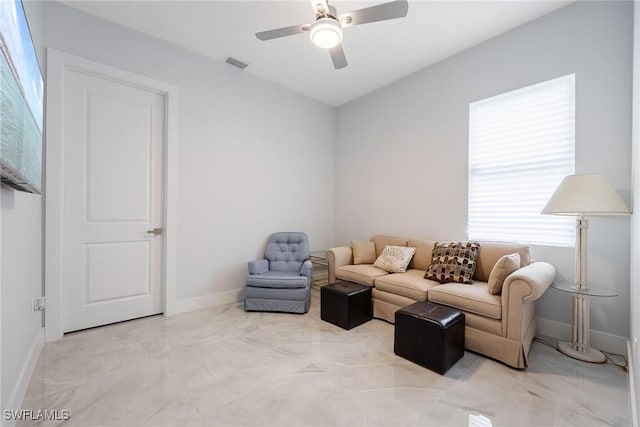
{"type": "Point", "coordinates": [224, 367]}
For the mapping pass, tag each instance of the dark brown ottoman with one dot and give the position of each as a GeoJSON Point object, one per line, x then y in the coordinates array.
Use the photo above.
{"type": "Point", "coordinates": [345, 304]}
{"type": "Point", "coordinates": [431, 335]}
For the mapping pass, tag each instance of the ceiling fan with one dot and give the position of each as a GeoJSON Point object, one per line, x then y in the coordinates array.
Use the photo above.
{"type": "Point", "coordinates": [326, 31]}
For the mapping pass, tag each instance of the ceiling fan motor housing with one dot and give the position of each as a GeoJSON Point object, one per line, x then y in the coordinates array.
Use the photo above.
{"type": "Point", "coordinates": [321, 12]}
{"type": "Point", "coordinates": [326, 32]}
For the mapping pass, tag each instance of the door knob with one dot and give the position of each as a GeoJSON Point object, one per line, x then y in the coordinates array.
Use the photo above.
{"type": "Point", "coordinates": [155, 231]}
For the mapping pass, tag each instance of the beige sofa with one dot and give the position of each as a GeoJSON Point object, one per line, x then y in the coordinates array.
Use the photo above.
{"type": "Point", "coordinates": [499, 326]}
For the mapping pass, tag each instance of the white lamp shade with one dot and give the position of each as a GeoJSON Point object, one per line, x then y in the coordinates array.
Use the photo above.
{"type": "Point", "coordinates": [585, 195]}
{"type": "Point", "coordinates": [326, 33]}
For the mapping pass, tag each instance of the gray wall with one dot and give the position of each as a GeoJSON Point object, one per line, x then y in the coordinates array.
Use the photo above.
{"type": "Point", "coordinates": [253, 158]}
{"type": "Point", "coordinates": [401, 164]}
{"type": "Point", "coordinates": [21, 267]}
{"type": "Point", "coordinates": [21, 281]}
{"type": "Point", "coordinates": [635, 222]}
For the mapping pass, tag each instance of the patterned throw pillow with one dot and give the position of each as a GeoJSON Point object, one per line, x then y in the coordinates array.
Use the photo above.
{"type": "Point", "coordinates": [395, 259]}
{"type": "Point", "coordinates": [504, 267]}
{"type": "Point", "coordinates": [453, 262]}
{"type": "Point", "coordinates": [363, 252]}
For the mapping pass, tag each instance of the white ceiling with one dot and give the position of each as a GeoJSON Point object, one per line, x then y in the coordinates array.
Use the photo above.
{"type": "Point", "coordinates": [378, 53]}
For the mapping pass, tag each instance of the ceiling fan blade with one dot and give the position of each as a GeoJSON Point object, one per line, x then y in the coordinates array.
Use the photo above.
{"type": "Point", "coordinates": [283, 32]}
{"type": "Point", "coordinates": [338, 58]}
{"type": "Point", "coordinates": [381, 12]}
{"type": "Point", "coordinates": [320, 7]}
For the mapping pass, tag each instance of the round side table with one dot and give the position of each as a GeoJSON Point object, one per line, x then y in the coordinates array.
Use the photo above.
{"type": "Point", "coordinates": [580, 347]}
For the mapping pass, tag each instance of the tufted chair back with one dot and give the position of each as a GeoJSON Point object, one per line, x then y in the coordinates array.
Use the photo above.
{"type": "Point", "coordinates": [287, 251]}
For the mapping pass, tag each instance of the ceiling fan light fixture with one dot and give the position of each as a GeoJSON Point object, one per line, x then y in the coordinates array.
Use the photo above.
{"type": "Point", "coordinates": [326, 33]}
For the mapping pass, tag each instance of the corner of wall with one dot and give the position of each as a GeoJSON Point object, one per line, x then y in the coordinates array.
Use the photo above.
{"type": "Point", "coordinates": [24, 378]}
{"type": "Point", "coordinates": [634, 320]}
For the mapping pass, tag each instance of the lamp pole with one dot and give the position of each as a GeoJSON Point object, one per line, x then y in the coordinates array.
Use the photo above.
{"type": "Point", "coordinates": [582, 224]}
{"type": "Point", "coordinates": [580, 345]}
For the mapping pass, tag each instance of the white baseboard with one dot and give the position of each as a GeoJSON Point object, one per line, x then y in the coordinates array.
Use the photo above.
{"type": "Point", "coordinates": [600, 340]}
{"type": "Point", "coordinates": [205, 301]}
{"type": "Point", "coordinates": [632, 386]}
{"type": "Point", "coordinates": [20, 389]}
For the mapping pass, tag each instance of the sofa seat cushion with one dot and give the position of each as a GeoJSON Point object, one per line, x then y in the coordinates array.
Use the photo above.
{"type": "Point", "coordinates": [289, 294]}
{"type": "Point", "coordinates": [394, 299]}
{"type": "Point", "coordinates": [474, 298]}
{"type": "Point", "coordinates": [410, 284]}
{"type": "Point", "coordinates": [483, 323]}
{"type": "Point", "coordinates": [361, 273]}
{"type": "Point", "coordinates": [277, 279]}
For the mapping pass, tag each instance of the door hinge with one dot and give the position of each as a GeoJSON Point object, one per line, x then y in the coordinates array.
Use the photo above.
{"type": "Point", "coordinates": [38, 304]}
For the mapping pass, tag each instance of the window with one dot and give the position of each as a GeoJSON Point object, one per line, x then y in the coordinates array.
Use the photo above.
{"type": "Point", "coordinates": [521, 145]}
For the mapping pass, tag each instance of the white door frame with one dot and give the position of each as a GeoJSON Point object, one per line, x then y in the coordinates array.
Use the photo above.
{"type": "Point", "coordinates": [57, 63]}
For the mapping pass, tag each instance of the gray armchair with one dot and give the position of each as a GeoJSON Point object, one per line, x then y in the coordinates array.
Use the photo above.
{"type": "Point", "coordinates": [282, 280]}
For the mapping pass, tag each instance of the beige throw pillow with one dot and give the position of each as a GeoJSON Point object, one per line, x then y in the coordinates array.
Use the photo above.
{"type": "Point", "coordinates": [395, 259]}
{"type": "Point", "coordinates": [363, 252]}
{"type": "Point", "coordinates": [503, 268]}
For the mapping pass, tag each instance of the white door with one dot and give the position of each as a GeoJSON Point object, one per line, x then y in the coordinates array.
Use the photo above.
{"type": "Point", "coordinates": [113, 188]}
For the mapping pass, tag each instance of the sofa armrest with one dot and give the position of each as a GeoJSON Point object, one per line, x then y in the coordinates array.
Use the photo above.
{"type": "Point", "coordinates": [258, 267]}
{"type": "Point", "coordinates": [337, 257]}
{"type": "Point", "coordinates": [537, 276]}
{"type": "Point", "coordinates": [519, 292]}
{"type": "Point", "coordinates": [306, 269]}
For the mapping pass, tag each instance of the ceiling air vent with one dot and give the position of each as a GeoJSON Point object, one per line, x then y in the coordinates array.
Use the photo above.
{"type": "Point", "coordinates": [236, 62]}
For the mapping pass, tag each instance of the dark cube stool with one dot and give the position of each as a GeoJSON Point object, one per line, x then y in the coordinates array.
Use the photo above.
{"type": "Point", "coordinates": [345, 304]}
{"type": "Point", "coordinates": [431, 335]}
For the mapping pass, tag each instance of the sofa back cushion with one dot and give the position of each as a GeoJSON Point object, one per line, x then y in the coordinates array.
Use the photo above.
{"type": "Point", "coordinates": [363, 252]}
{"type": "Point", "coordinates": [491, 252]}
{"type": "Point", "coordinates": [424, 248]}
{"type": "Point", "coordinates": [382, 242]}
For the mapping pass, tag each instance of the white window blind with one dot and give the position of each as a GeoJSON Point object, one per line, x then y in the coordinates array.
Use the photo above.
{"type": "Point", "coordinates": [521, 145]}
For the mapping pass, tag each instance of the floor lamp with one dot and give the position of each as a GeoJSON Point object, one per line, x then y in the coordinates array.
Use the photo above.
{"type": "Point", "coordinates": [582, 196]}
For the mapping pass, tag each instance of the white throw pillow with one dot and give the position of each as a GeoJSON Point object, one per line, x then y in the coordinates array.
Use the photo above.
{"type": "Point", "coordinates": [395, 259]}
